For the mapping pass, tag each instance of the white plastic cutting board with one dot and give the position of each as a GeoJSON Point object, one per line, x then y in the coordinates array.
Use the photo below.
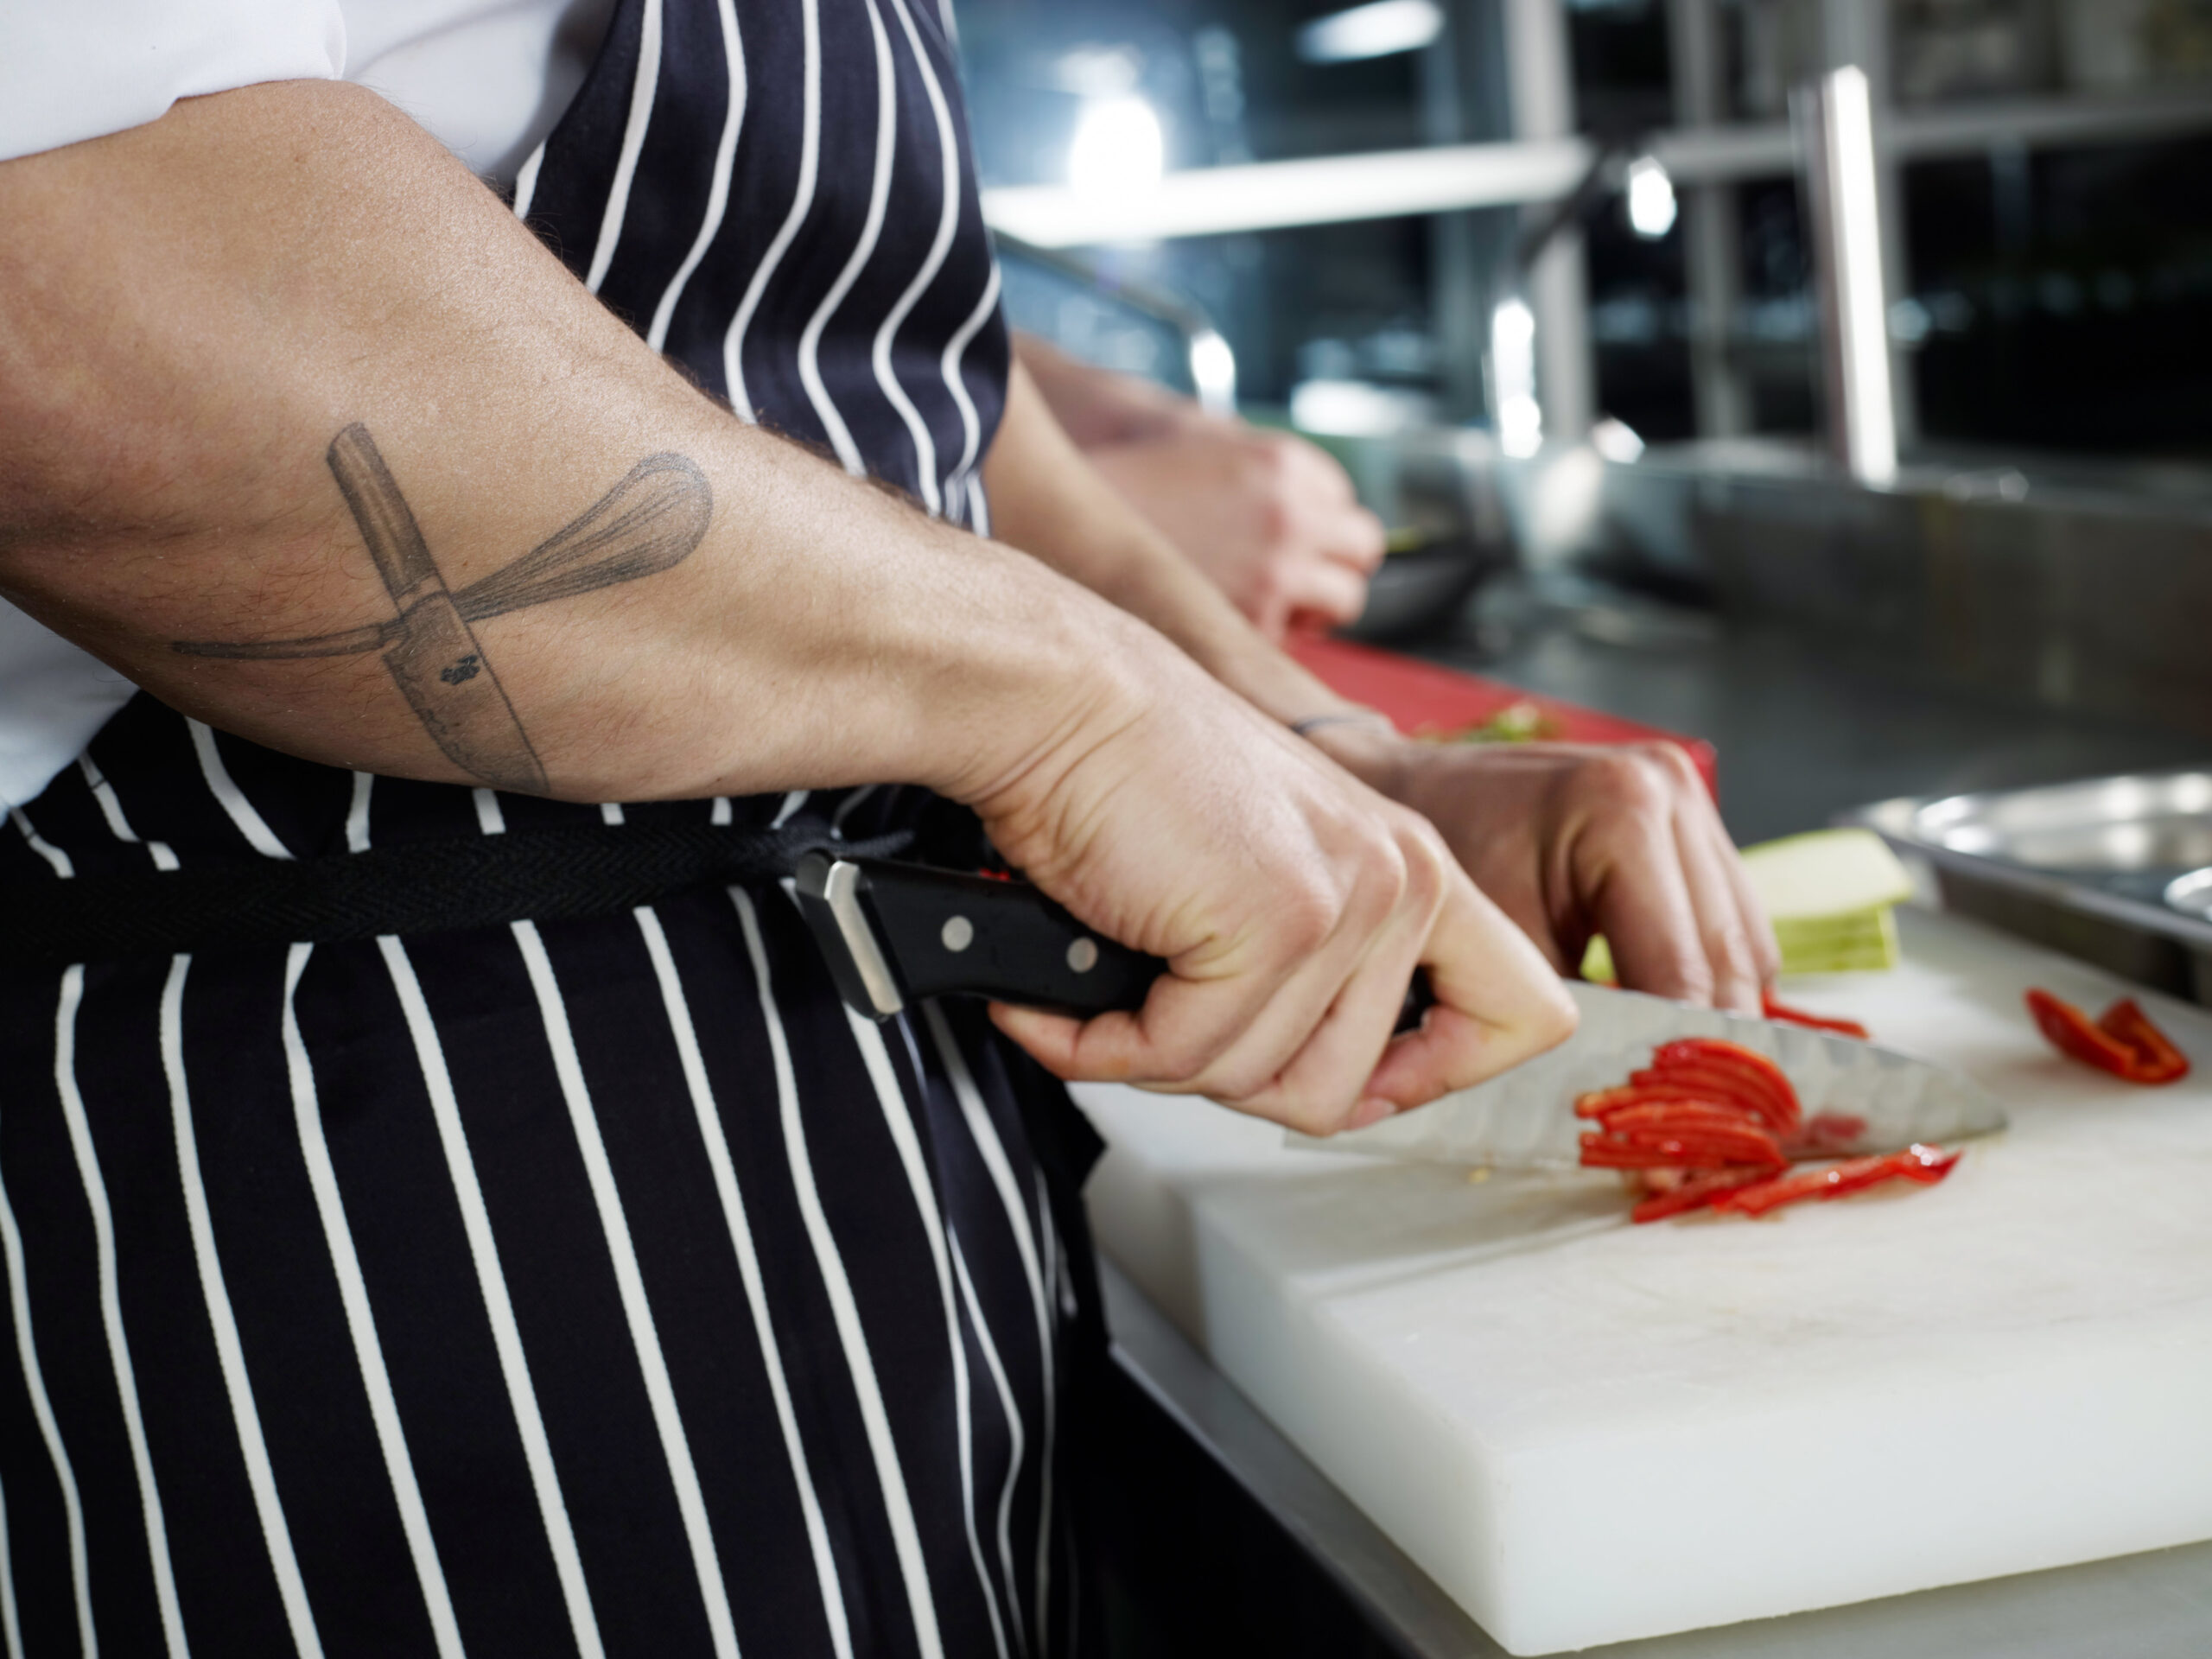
{"type": "Point", "coordinates": [1590, 1433]}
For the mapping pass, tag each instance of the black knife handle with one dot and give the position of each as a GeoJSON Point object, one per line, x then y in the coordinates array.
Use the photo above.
{"type": "Point", "coordinates": [941, 933]}
{"type": "Point", "coordinates": [947, 934]}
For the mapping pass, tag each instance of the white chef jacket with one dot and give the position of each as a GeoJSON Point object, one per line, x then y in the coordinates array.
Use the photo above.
{"type": "Point", "coordinates": [487, 77]}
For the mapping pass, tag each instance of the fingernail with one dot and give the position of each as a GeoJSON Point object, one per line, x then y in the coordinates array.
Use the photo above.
{"type": "Point", "coordinates": [1372, 1109]}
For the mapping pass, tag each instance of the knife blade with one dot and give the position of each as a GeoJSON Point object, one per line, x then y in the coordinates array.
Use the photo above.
{"type": "Point", "coordinates": [1525, 1119]}
{"type": "Point", "coordinates": [895, 934]}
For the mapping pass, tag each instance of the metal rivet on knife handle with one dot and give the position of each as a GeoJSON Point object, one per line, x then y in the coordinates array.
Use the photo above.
{"type": "Point", "coordinates": [959, 933]}
{"type": "Point", "coordinates": [1083, 955]}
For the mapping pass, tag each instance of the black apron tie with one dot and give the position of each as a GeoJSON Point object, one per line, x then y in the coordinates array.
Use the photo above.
{"type": "Point", "coordinates": [434, 886]}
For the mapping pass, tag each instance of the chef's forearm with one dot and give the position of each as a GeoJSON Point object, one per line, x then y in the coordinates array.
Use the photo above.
{"type": "Point", "coordinates": [246, 345]}
{"type": "Point", "coordinates": [1097, 406]}
{"type": "Point", "coordinates": [1047, 500]}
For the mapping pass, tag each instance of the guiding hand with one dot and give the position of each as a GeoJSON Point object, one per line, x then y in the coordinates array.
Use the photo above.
{"type": "Point", "coordinates": [1571, 841]}
{"type": "Point", "coordinates": [1270, 518]}
{"type": "Point", "coordinates": [1291, 902]}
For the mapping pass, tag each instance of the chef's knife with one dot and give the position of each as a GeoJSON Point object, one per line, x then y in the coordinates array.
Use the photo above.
{"type": "Point", "coordinates": [895, 934]}
{"type": "Point", "coordinates": [1872, 1099]}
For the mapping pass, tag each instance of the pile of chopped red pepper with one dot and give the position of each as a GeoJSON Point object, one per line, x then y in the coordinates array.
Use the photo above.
{"type": "Point", "coordinates": [1711, 1124]}
{"type": "Point", "coordinates": [2122, 1040]}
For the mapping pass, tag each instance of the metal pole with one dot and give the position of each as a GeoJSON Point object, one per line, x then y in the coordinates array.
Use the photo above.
{"type": "Point", "coordinates": [1712, 229]}
{"type": "Point", "coordinates": [1858, 33]}
{"type": "Point", "coordinates": [1835, 121]}
{"type": "Point", "coordinates": [1559, 289]}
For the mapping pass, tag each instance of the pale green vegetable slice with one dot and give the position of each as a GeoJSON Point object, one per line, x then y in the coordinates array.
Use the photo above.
{"type": "Point", "coordinates": [1829, 894]}
{"type": "Point", "coordinates": [1826, 873]}
{"type": "Point", "coordinates": [1866, 942]}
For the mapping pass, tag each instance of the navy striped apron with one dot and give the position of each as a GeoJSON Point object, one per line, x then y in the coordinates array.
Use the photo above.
{"type": "Point", "coordinates": [590, 1287]}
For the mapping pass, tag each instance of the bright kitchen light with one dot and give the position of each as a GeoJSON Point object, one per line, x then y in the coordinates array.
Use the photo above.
{"type": "Point", "coordinates": [1118, 149]}
{"type": "Point", "coordinates": [1213, 373]}
{"type": "Point", "coordinates": [1356, 408]}
{"type": "Point", "coordinates": [1617, 440]}
{"type": "Point", "coordinates": [1371, 31]}
{"type": "Point", "coordinates": [1513, 379]}
{"type": "Point", "coordinates": [1650, 198]}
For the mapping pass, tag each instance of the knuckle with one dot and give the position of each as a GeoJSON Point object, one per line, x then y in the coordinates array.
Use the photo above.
{"type": "Point", "coordinates": [1270, 583]}
{"type": "Point", "coordinates": [1273, 518]}
{"type": "Point", "coordinates": [1238, 1082]}
{"type": "Point", "coordinates": [1673, 762]}
{"type": "Point", "coordinates": [1694, 977]}
{"type": "Point", "coordinates": [1318, 1115]}
{"type": "Point", "coordinates": [1733, 953]}
{"type": "Point", "coordinates": [1630, 782]}
{"type": "Point", "coordinates": [1428, 865]}
{"type": "Point", "coordinates": [1179, 1064]}
{"type": "Point", "coordinates": [1304, 916]}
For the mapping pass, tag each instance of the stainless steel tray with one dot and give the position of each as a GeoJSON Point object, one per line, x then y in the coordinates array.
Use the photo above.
{"type": "Point", "coordinates": [2117, 871]}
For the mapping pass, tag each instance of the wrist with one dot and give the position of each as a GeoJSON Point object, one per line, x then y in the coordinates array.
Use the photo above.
{"type": "Point", "coordinates": [1372, 750]}
{"type": "Point", "coordinates": [1062, 672]}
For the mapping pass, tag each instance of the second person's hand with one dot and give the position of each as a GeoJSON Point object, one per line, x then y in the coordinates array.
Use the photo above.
{"type": "Point", "coordinates": [1572, 839]}
{"type": "Point", "coordinates": [1269, 518]}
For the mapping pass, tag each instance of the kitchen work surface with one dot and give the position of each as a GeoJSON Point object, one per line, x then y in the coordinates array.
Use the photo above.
{"type": "Point", "coordinates": [1589, 1432]}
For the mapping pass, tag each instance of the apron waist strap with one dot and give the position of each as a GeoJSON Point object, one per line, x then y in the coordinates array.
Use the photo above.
{"type": "Point", "coordinates": [436, 886]}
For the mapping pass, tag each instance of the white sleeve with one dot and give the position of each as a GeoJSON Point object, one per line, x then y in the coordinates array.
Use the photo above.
{"type": "Point", "coordinates": [75, 69]}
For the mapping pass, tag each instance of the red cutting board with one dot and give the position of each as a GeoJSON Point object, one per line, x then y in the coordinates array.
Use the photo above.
{"type": "Point", "coordinates": [1426, 700]}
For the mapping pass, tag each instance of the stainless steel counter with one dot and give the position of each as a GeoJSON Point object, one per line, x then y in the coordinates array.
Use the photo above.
{"type": "Point", "coordinates": [2153, 1607]}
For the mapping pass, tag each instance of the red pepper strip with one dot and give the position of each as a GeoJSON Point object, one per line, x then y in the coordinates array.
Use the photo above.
{"type": "Point", "coordinates": [1690, 1115]}
{"type": "Point", "coordinates": [1926, 1165]}
{"type": "Point", "coordinates": [1782, 1010]}
{"type": "Point", "coordinates": [1712, 1083]}
{"type": "Point", "coordinates": [1603, 1103]}
{"type": "Point", "coordinates": [1599, 1154]}
{"type": "Point", "coordinates": [2142, 1054]}
{"type": "Point", "coordinates": [1696, 1192]}
{"type": "Point", "coordinates": [1754, 1069]}
{"type": "Point", "coordinates": [1687, 1143]}
{"type": "Point", "coordinates": [2156, 1059]}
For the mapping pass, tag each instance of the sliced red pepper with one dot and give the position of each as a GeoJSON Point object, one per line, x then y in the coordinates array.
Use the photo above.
{"type": "Point", "coordinates": [1603, 1103]}
{"type": "Point", "coordinates": [1702, 1144]}
{"type": "Point", "coordinates": [1724, 1087]}
{"type": "Point", "coordinates": [1680, 1114]}
{"type": "Point", "coordinates": [1924, 1164]}
{"type": "Point", "coordinates": [1782, 1010]}
{"type": "Point", "coordinates": [1753, 1068]}
{"type": "Point", "coordinates": [1704, 1150]}
{"type": "Point", "coordinates": [2156, 1059]}
{"type": "Point", "coordinates": [2123, 1042]}
{"type": "Point", "coordinates": [1679, 1151]}
{"type": "Point", "coordinates": [1697, 1191]}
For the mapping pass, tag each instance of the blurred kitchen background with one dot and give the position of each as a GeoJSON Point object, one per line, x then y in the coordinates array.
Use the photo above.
{"type": "Point", "coordinates": [1859, 423]}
